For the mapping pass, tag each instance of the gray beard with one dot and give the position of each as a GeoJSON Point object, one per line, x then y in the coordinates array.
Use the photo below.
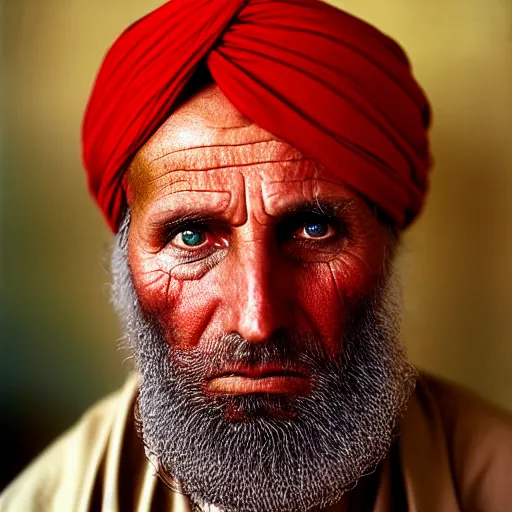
{"type": "Point", "coordinates": [309, 459]}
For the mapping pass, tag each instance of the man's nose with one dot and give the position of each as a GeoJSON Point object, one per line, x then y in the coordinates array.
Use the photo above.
{"type": "Point", "coordinates": [260, 289]}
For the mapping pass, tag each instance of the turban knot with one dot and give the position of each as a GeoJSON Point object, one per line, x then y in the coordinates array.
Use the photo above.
{"type": "Point", "coordinates": [331, 85]}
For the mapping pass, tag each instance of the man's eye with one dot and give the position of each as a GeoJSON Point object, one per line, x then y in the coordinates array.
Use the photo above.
{"type": "Point", "coordinates": [317, 230]}
{"type": "Point", "coordinates": [190, 238]}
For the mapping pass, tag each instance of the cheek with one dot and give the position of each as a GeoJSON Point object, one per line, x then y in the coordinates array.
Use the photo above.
{"type": "Point", "coordinates": [319, 307]}
{"type": "Point", "coordinates": [191, 312]}
{"type": "Point", "coordinates": [328, 294]}
{"type": "Point", "coordinates": [181, 308]}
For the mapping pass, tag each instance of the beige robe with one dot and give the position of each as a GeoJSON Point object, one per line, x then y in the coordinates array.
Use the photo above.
{"type": "Point", "coordinates": [454, 454]}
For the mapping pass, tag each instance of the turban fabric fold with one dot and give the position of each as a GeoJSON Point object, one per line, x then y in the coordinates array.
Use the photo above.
{"type": "Point", "coordinates": [329, 84]}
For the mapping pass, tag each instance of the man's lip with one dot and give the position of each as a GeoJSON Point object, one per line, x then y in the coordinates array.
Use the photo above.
{"type": "Point", "coordinates": [259, 379]}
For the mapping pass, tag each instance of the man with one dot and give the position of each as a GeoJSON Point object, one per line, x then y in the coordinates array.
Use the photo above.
{"type": "Point", "coordinates": [257, 161]}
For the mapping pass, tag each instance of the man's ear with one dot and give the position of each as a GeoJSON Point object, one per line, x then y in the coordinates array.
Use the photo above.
{"type": "Point", "coordinates": [127, 190]}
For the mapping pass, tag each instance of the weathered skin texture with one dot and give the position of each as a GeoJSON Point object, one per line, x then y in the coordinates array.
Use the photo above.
{"type": "Point", "coordinates": [257, 269]}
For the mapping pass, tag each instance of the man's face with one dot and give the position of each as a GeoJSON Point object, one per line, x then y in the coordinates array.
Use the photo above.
{"type": "Point", "coordinates": [233, 231]}
{"type": "Point", "coordinates": [257, 293]}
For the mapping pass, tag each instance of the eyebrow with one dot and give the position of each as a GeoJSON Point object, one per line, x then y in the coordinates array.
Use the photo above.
{"type": "Point", "coordinates": [332, 209]}
{"type": "Point", "coordinates": [329, 208]}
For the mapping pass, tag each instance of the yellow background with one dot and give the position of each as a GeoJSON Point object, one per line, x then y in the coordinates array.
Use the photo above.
{"type": "Point", "coordinates": [59, 335]}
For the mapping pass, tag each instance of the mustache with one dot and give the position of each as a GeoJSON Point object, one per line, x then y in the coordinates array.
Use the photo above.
{"type": "Point", "coordinates": [285, 349]}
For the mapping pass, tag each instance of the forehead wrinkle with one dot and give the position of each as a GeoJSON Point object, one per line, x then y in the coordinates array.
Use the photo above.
{"type": "Point", "coordinates": [191, 201]}
{"type": "Point", "coordinates": [240, 126]}
{"type": "Point", "coordinates": [304, 183]}
{"type": "Point", "coordinates": [236, 166]}
{"type": "Point", "coordinates": [192, 191]}
{"type": "Point", "coordinates": [254, 203]}
{"type": "Point", "coordinates": [185, 130]}
{"type": "Point", "coordinates": [211, 146]}
{"type": "Point", "coordinates": [228, 155]}
{"type": "Point", "coordinates": [206, 193]}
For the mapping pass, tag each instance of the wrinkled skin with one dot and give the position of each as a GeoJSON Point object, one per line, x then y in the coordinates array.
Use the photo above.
{"type": "Point", "coordinates": [260, 266]}
{"type": "Point", "coordinates": [233, 232]}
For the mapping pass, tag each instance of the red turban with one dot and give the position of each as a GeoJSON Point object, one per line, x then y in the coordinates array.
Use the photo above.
{"type": "Point", "coordinates": [324, 81]}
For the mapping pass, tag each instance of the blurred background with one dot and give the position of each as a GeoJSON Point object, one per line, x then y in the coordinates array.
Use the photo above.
{"type": "Point", "coordinates": [58, 334]}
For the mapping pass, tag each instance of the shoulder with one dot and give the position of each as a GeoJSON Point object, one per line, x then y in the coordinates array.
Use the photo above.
{"type": "Point", "coordinates": [467, 419]}
{"type": "Point", "coordinates": [64, 473]}
{"type": "Point", "coordinates": [478, 438]}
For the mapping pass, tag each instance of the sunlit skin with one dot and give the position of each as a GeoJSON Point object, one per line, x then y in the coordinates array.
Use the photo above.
{"type": "Point", "coordinates": [233, 230]}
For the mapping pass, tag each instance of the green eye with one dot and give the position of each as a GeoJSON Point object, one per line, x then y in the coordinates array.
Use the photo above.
{"type": "Point", "coordinates": [191, 238]}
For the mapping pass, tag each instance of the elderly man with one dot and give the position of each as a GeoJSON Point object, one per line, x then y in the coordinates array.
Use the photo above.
{"type": "Point", "coordinates": [257, 160]}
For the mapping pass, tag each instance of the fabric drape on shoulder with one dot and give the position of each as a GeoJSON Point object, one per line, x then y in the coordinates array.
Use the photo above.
{"type": "Point", "coordinates": [453, 455]}
{"type": "Point", "coordinates": [456, 451]}
{"type": "Point", "coordinates": [99, 465]}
